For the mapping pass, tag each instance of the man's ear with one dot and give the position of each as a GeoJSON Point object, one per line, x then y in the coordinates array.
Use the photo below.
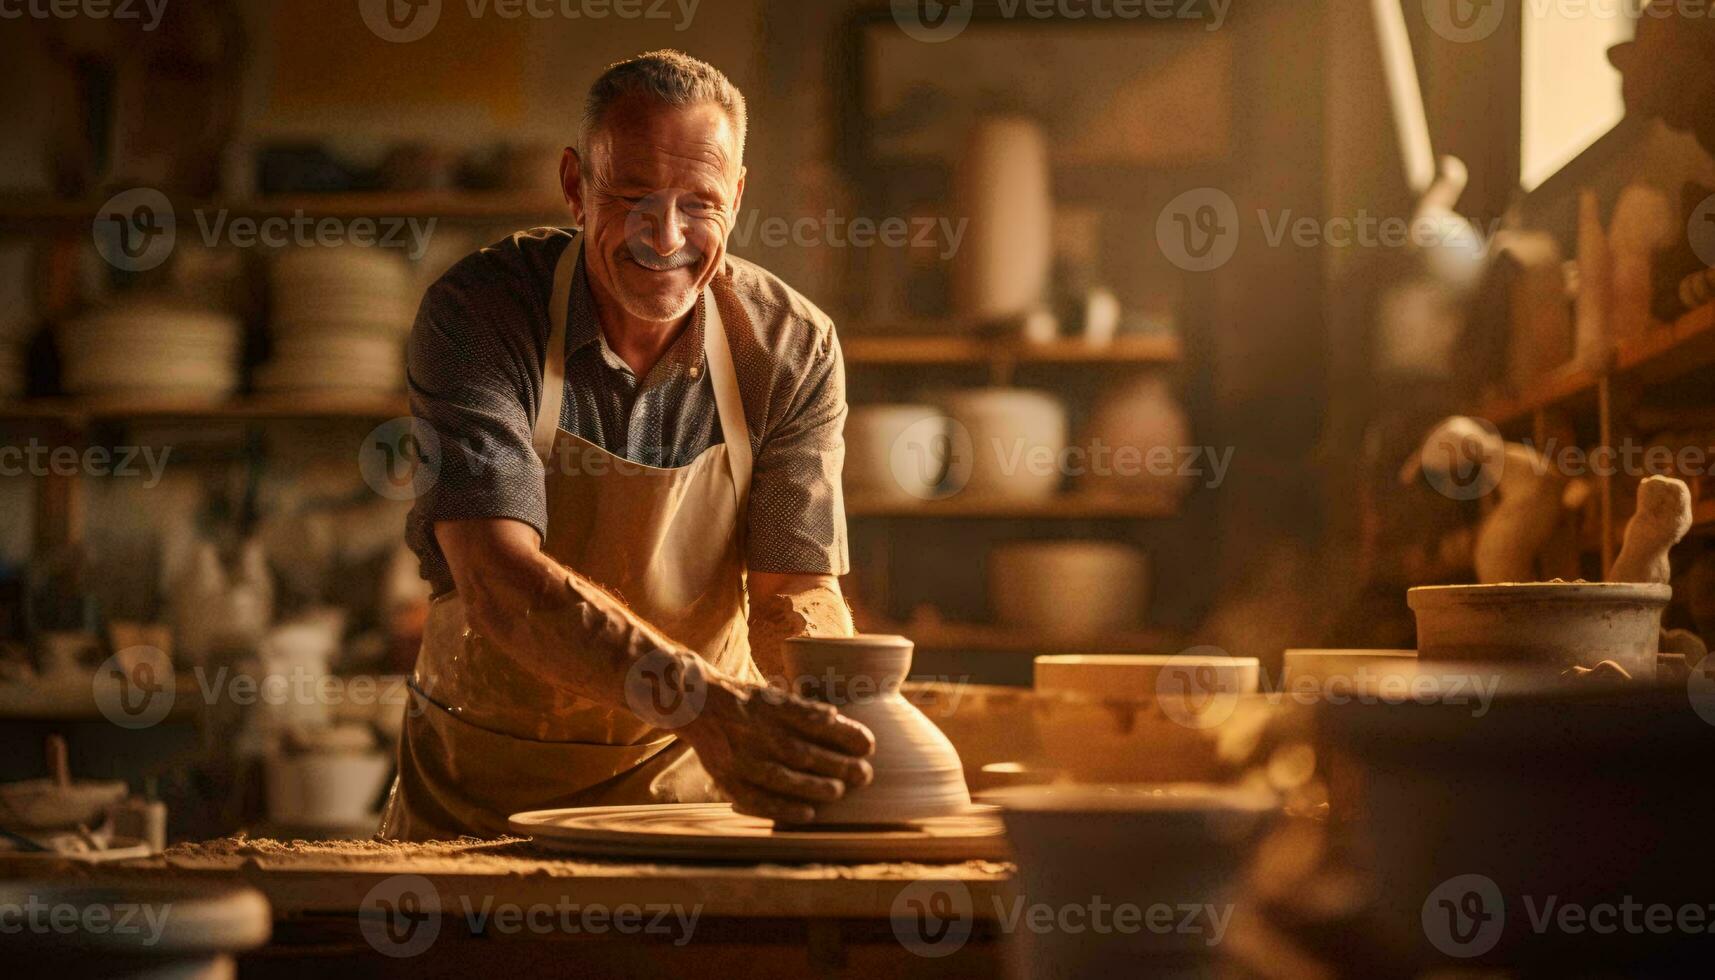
{"type": "Point", "coordinates": [572, 183]}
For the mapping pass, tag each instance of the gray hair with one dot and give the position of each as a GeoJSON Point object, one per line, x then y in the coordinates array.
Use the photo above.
{"type": "Point", "coordinates": [670, 77]}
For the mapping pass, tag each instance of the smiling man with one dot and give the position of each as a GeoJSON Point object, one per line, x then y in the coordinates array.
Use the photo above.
{"type": "Point", "coordinates": [641, 440]}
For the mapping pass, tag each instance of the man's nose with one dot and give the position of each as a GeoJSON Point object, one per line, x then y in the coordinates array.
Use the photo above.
{"type": "Point", "coordinates": [665, 226]}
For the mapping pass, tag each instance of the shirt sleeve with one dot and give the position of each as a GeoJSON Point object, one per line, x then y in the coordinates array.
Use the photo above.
{"type": "Point", "coordinates": [797, 511]}
{"type": "Point", "coordinates": [472, 366]}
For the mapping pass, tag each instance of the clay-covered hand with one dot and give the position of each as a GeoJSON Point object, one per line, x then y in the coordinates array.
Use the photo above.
{"type": "Point", "coordinates": [775, 754]}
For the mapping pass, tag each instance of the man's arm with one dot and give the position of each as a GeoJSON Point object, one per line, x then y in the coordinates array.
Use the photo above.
{"type": "Point", "coordinates": [775, 755]}
{"type": "Point", "coordinates": [784, 605]}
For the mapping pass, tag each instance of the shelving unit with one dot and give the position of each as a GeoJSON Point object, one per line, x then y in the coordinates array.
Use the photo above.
{"type": "Point", "coordinates": [27, 214]}
{"type": "Point", "coordinates": [79, 413]}
{"type": "Point", "coordinates": [1667, 352]}
{"type": "Point", "coordinates": [865, 346]}
{"type": "Point", "coordinates": [1070, 507]}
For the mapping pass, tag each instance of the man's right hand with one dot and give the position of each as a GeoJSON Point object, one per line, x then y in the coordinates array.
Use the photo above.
{"type": "Point", "coordinates": [775, 754]}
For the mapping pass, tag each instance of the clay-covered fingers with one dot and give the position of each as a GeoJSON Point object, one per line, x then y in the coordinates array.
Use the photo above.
{"type": "Point", "coordinates": [793, 752]}
{"type": "Point", "coordinates": [778, 780]}
{"type": "Point", "coordinates": [754, 802]}
{"type": "Point", "coordinates": [820, 724]}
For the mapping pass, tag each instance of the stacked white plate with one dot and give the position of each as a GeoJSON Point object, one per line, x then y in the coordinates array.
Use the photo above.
{"type": "Point", "coordinates": [340, 320]}
{"type": "Point", "coordinates": [150, 347]}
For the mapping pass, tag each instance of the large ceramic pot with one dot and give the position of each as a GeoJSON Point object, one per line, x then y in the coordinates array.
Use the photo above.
{"type": "Point", "coordinates": [1475, 817]}
{"type": "Point", "coordinates": [917, 771]}
{"type": "Point", "coordinates": [1542, 624]}
{"type": "Point", "coordinates": [1109, 861]}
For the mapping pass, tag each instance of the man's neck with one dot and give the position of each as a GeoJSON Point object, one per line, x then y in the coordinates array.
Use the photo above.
{"type": "Point", "coordinates": [639, 343]}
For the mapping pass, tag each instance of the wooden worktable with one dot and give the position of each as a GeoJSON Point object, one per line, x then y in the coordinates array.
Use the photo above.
{"type": "Point", "coordinates": [765, 920]}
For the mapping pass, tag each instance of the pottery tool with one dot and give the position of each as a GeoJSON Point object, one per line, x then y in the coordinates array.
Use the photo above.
{"type": "Point", "coordinates": [713, 832]}
{"type": "Point", "coordinates": [1662, 519]}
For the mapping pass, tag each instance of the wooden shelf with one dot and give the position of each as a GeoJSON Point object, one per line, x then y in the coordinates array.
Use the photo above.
{"type": "Point", "coordinates": [952, 350]}
{"type": "Point", "coordinates": [35, 213]}
{"type": "Point", "coordinates": [1667, 351]}
{"type": "Point", "coordinates": [1069, 506]}
{"type": "Point", "coordinates": [274, 406]}
{"type": "Point", "coordinates": [985, 638]}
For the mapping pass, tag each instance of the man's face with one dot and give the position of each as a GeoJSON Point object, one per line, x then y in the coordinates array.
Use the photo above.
{"type": "Point", "coordinates": [657, 203]}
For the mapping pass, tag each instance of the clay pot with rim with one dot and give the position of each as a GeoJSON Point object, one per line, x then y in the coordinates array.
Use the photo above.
{"type": "Point", "coordinates": [917, 771]}
{"type": "Point", "coordinates": [1544, 624]}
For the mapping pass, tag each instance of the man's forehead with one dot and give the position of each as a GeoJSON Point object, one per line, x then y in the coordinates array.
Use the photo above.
{"type": "Point", "coordinates": [640, 134]}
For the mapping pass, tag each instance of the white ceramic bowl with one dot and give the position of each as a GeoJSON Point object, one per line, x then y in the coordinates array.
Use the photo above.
{"type": "Point", "coordinates": [1076, 589]}
{"type": "Point", "coordinates": [895, 452]}
{"type": "Point", "coordinates": [1008, 443]}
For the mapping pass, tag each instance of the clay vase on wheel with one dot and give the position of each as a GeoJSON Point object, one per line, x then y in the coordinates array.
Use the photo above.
{"type": "Point", "coordinates": [917, 771]}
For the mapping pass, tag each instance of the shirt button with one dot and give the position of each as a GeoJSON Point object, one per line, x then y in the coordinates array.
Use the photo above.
{"type": "Point", "coordinates": [696, 371]}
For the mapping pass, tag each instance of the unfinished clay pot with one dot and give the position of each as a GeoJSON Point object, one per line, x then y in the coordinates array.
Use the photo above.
{"type": "Point", "coordinates": [917, 771]}
{"type": "Point", "coordinates": [1556, 625]}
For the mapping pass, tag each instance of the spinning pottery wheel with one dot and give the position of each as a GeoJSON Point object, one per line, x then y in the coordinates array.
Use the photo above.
{"type": "Point", "coordinates": [713, 832]}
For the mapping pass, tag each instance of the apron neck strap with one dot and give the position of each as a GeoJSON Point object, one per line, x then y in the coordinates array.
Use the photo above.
{"type": "Point", "coordinates": [723, 378]}
{"type": "Point", "coordinates": [553, 391]}
{"type": "Point", "coordinates": [729, 403]}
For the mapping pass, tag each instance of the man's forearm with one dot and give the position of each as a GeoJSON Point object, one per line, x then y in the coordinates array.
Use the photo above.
{"type": "Point", "coordinates": [784, 606]}
{"type": "Point", "coordinates": [538, 612]}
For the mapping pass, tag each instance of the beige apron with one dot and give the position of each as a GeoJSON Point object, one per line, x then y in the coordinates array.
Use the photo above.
{"type": "Point", "coordinates": [483, 738]}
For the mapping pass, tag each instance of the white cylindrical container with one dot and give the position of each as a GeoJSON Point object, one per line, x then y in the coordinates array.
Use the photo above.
{"type": "Point", "coordinates": [1003, 186]}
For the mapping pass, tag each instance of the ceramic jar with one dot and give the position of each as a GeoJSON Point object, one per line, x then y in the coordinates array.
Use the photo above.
{"type": "Point", "coordinates": [917, 771]}
{"type": "Point", "coordinates": [895, 452]}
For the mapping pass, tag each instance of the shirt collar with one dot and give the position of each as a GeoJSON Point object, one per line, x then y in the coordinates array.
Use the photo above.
{"type": "Point", "coordinates": [583, 329]}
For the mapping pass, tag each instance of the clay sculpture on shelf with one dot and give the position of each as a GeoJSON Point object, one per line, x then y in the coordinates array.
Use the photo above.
{"type": "Point", "coordinates": [1663, 517]}
{"type": "Point", "coordinates": [917, 771]}
{"type": "Point", "coordinates": [1531, 498]}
